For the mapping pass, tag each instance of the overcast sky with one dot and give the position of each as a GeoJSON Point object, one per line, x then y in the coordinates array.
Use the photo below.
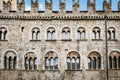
{"type": "Point", "coordinates": [83, 4]}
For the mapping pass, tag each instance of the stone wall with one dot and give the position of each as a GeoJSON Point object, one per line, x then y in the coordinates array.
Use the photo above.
{"type": "Point", "coordinates": [19, 25]}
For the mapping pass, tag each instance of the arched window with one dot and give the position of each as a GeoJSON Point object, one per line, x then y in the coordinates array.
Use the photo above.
{"type": "Point", "coordinates": [10, 60]}
{"type": "Point", "coordinates": [81, 33]}
{"type": "Point", "coordinates": [114, 60]}
{"type": "Point", "coordinates": [111, 33]}
{"type": "Point", "coordinates": [73, 60]}
{"type": "Point", "coordinates": [35, 33]}
{"type": "Point", "coordinates": [3, 33]}
{"type": "Point", "coordinates": [50, 33]}
{"type": "Point", "coordinates": [66, 33]}
{"type": "Point", "coordinates": [94, 60]}
{"type": "Point", "coordinates": [30, 61]}
{"type": "Point", "coordinates": [51, 60]}
{"type": "Point", "coordinates": [96, 33]}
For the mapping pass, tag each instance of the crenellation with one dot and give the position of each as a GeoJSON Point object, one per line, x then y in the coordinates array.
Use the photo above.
{"type": "Point", "coordinates": [48, 6]}
{"type": "Point", "coordinates": [75, 6]}
{"type": "Point", "coordinates": [62, 6]}
{"type": "Point", "coordinates": [21, 6]}
{"type": "Point", "coordinates": [16, 7]}
{"type": "Point", "coordinates": [93, 5]}
{"type": "Point", "coordinates": [34, 6]}
{"type": "Point", "coordinates": [1, 5]}
{"type": "Point", "coordinates": [107, 6]}
{"type": "Point", "coordinates": [119, 6]}
{"type": "Point", "coordinates": [90, 6]}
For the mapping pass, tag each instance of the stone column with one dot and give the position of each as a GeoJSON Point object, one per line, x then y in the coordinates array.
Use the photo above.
{"type": "Point", "coordinates": [2, 36]}
{"type": "Point", "coordinates": [11, 61]}
{"type": "Point", "coordinates": [14, 5]}
{"type": "Point", "coordinates": [7, 63]}
{"type": "Point", "coordinates": [1, 5]}
{"type": "Point", "coordinates": [112, 63]}
{"type": "Point", "coordinates": [76, 63]}
{"type": "Point", "coordinates": [33, 63]}
{"type": "Point", "coordinates": [53, 63]}
{"type": "Point", "coordinates": [97, 63]}
{"type": "Point", "coordinates": [49, 64]}
{"type": "Point", "coordinates": [70, 63]}
{"type": "Point", "coordinates": [117, 62]}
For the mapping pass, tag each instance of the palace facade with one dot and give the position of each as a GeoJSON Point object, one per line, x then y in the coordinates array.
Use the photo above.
{"type": "Point", "coordinates": [59, 45]}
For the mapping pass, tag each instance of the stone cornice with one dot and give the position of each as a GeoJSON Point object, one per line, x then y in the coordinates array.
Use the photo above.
{"type": "Point", "coordinates": [61, 17]}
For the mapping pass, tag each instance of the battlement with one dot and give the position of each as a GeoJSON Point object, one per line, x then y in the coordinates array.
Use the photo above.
{"type": "Point", "coordinates": [14, 7]}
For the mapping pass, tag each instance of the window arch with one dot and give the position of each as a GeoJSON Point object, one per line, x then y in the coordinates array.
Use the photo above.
{"type": "Point", "coordinates": [111, 33]}
{"type": "Point", "coordinates": [66, 33]}
{"type": "Point", "coordinates": [94, 60]}
{"type": "Point", "coordinates": [10, 60]}
{"type": "Point", "coordinates": [81, 33]}
{"type": "Point", "coordinates": [30, 60]}
{"type": "Point", "coordinates": [96, 33]}
{"type": "Point", "coordinates": [114, 60]}
{"type": "Point", "coordinates": [51, 60]}
{"type": "Point", "coordinates": [3, 33]}
{"type": "Point", "coordinates": [51, 33]}
{"type": "Point", "coordinates": [35, 33]}
{"type": "Point", "coordinates": [73, 60]}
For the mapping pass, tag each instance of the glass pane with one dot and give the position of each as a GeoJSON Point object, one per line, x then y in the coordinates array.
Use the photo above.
{"type": "Point", "coordinates": [51, 63]}
{"type": "Point", "coordinates": [110, 62]}
{"type": "Point", "coordinates": [68, 63]}
{"type": "Point", "coordinates": [34, 36]}
{"type": "Point", "coordinates": [53, 36]}
{"type": "Point", "coordinates": [89, 63]}
{"type": "Point", "coordinates": [49, 35]}
{"type": "Point", "coordinates": [26, 63]}
{"type": "Point", "coordinates": [63, 35]}
{"type": "Point", "coordinates": [115, 62]}
{"type": "Point", "coordinates": [119, 62]}
{"type": "Point", "coordinates": [46, 63]}
{"type": "Point", "coordinates": [30, 63]}
{"type": "Point", "coordinates": [94, 63]}
{"type": "Point", "coordinates": [56, 63]}
{"type": "Point", "coordinates": [78, 63]}
{"type": "Point", "coordinates": [73, 63]}
{"type": "Point", "coordinates": [14, 63]}
{"type": "Point", "coordinates": [78, 35]}
{"type": "Point", "coordinates": [99, 62]}
{"type": "Point", "coordinates": [5, 62]}
{"type": "Point", "coordinates": [35, 63]}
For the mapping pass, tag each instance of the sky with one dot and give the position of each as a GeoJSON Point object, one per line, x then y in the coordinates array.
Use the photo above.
{"type": "Point", "coordinates": [83, 5]}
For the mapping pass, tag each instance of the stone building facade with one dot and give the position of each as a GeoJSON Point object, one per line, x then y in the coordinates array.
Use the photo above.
{"type": "Point", "coordinates": [58, 45]}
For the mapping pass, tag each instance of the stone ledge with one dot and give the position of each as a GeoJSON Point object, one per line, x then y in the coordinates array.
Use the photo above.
{"type": "Point", "coordinates": [73, 70]}
{"type": "Point", "coordinates": [113, 40]}
{"type": "Point", "coordinates": [60, 17]}
{"type": "Point", "coordinates": [96, 39]}
{"type": "Point", "coordinates": [35, 40]}
{"type": "Point", "coordinates": [66, 39]}
{"type": "Point", "coordinates": [51, 40]}
{"type": "Point", "coordinates": [94, 69]}
{"type": "Point", "coordinates": [3, 40]}
{"type": "Point", "coordinates": [81, 39]}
